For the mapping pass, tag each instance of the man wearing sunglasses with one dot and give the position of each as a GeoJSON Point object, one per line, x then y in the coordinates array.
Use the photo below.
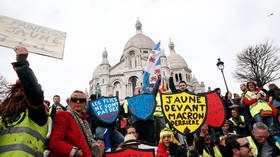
{"type": "Point", "coordinates": [71, 134]}
{"type": "Point", "coordinates": [238, 146]}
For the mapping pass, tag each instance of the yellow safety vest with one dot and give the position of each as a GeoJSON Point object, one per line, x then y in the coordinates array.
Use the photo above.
{"type": "Point", "coordinates": [257, 106]}
{"type": "Point", "coordinates": [24, 138]}
{"type": "Point", "coordinates": [254, 148]}
{"type": "Point", "coordinates": [158, 109]}
{"type": "Point", "coordinates": [216, 152]}
{"type": "Point", "coordinates": [234, 123]}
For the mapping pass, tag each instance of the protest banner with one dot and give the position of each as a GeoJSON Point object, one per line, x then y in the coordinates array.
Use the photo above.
{"type": "Point", "coordinates": [142, 105]}
{"type": "Point", "coordinates": [106, 109]}
{"type": "Point", "coordinates": [186, 112]}
{"type": "Point", "coordinates": [216, 111]}
{"type": "Point", "coordinates": [35, 38]}
{"type": "Point", "coordinates": [131, 152]}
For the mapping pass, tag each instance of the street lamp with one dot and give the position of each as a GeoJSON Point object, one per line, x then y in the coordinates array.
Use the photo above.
{"type": "Point", "coordinates": [220, 66]}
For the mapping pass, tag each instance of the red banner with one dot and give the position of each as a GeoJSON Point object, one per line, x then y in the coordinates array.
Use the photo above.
{"type": "Point", "coordinates": [132, 152]}
{"type": "Point", "coordinates": [216, 111]}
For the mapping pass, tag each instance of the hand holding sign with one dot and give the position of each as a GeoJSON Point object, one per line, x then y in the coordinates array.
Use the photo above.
{"type": "Point", "coordinates": [21, 52]}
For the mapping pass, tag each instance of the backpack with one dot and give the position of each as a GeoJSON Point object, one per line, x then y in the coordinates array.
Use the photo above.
{"type": "Point", "coordinates": [277, 95]}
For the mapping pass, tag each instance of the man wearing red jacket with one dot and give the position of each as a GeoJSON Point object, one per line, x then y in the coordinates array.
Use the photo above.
{"type": "Point", "coordinates": [71, 135]}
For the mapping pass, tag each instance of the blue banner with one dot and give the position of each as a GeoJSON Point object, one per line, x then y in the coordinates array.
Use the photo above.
{"type": "Point", "coordinates": [142, 105]}
{"type": "Point", "coordinates": [106, 109]}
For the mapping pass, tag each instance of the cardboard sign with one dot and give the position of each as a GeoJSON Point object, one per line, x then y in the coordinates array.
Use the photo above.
{"type": "Point", "coordinates": [142, 105]}
{"type": "Point", "coordinates": [216, 111]}
{"type": "Point", "coordinates": [132, 152]}
{"type": "Point", "coordinates": [35, 38]}
{"type": "Point", "coordinates": [106, 109]}
{"type": "Point", "coordinates": [184, 111]}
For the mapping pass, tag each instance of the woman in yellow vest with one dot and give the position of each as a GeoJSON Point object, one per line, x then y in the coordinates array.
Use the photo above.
{"type": "Point", "coordinates": [23, 118]}
{"type": "Point", "coordinates": [238, 122]}
{"type": "Point", "coordinates": [205, 145]}
{"type": "Point", "coordinates": [255, 98]}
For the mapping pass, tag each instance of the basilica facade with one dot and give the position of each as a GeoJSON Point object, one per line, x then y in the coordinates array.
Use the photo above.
{"type": "Point", "coordinates": [122, 78]}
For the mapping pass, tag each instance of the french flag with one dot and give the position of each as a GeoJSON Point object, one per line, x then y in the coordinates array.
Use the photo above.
{"type": "Point", "coordinates": [152, 68]}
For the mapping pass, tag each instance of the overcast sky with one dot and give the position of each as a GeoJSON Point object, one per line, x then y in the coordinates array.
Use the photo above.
{"type": "Point", "coordinates": [202, 31]}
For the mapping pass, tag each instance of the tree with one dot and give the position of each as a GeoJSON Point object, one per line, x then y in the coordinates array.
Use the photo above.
{"type": "Point", "coordinates": [258, 63]}
{"type": "Point", "coordinates": [4, 85]}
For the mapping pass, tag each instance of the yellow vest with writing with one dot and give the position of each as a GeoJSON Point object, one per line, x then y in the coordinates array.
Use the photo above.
{"type": "Point", "coordinates": [257, 106]}
{"type": "Point", "coordinates": [22, 138]}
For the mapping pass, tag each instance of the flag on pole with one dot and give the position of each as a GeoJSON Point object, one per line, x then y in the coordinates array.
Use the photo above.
{"type": "Point", "coordinates": [152, 68]}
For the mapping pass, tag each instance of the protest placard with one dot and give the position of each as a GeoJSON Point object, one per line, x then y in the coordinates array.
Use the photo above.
{"type": "Point", "coordinates": [142, 105]}
{"type": "Point", "coordinates": [216, 111]}
{"type": "Point", "coordinates": [35, 38]}
{"type": "Point", "coordinates": [131, 152]}
{"type": "Point", "coordinates": [186, 112]}
{"type": "Point", "coordinates": [106, 109]}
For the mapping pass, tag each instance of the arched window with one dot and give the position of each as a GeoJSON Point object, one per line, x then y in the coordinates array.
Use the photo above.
{"type": "Point", "coordinates": [117, 93]}
{"type": "Point", "coordinates": [133, 81]}
{"type": "Point", "coordinates": [176, 77]}
{"type": "Point", "coordinates": [180, 77]}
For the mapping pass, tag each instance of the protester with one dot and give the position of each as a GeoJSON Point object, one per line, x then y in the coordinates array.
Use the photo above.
{"type": "Point", "coordinates": [182, 85]}
{"type": "Point", "coordinates": [225, 132]}
{"type": "Point", "coordinates": [23, 118]}
{"type": "Point", "coordinates": [229, 103]}
{"type": "Point", "coordinates": [56, 100]}
{"type": "Point", "coordinates": [238, 122]}
{"type": "Point", "coordinates": [71, 135]}
{"type": "Point", "coordinates": [274, 95]}
{"type": "Point", "coordinates": [169, 146]}
{"type": "Point", "coordinates": [143, 125]}
{"type": "Point", "coordinates": [101, 145]}
{"type": "Point", "coordinates": [255, 98]}
{"type": "Point", "coordinates": [109, 132]}
{"type": "Point", "coordinates": [205, 144]}
{"type": "Point", "coordinates": [261, 143]}
{"type": "Point", "coordinates": [238, 147]}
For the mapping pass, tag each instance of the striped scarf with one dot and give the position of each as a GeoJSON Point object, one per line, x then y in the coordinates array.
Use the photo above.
{"type": "Point", "coordinates": [84, 126]}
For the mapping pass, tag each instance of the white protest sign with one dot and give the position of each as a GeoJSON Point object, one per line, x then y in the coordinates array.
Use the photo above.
{"type": "Point", "coordinates": [35, 38]}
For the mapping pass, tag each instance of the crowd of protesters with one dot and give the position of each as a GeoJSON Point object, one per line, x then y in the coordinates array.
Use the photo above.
{"type": "Point", "coordinates": [30, 126]}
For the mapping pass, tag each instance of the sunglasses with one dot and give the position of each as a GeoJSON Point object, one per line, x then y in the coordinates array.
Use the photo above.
{"type": "Point", "coordinates": [245, 145]}
{"type": "Point", "coordinates": [81, 100]}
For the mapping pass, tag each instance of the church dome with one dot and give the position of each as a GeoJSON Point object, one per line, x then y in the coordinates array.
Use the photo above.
{"type": "Point", "coordinates": [97, 71]}
{"type": "Point", "coordinates": [175, 60]}
{"type": "Point", "coordinates": [139, 40]}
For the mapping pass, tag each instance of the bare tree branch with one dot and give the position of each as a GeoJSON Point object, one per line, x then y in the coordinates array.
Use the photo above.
{"type": "Point", "coordinates": [259, 63]}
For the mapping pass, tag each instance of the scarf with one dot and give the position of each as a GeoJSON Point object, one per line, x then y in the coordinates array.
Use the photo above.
{"type": "Point", "coordinates": [84, 126]}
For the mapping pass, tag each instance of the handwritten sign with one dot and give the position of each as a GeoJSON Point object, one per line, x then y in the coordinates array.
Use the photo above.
{"type": "Point", "coordinates": [184, 111]}
{"type": "Point", "coordinates": [132, 152]}
{"type": "Point", "coordinates": [142, 105]}
{"type": "Point", "coordinates": [216, 110]}
{"type": "Point", "coordinates": [35, 38]}
{"type": "Point", "coordinates": [106, 109]}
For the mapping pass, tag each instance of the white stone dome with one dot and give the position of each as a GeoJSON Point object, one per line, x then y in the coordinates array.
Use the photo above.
{"type": "Point", "coordinates": [97, 71]}
{"type": "Point", "coordinates": [140, 41]}
{"type": "Point", "coordinates": [175, 60]}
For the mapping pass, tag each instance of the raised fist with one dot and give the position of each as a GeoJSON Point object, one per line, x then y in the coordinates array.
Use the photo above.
{"type": "Point", "coordinates": [21, 53]}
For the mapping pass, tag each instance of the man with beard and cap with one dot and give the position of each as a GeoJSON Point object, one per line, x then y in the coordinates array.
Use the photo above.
{"type": "Point", "coordinates": [23, 118]}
